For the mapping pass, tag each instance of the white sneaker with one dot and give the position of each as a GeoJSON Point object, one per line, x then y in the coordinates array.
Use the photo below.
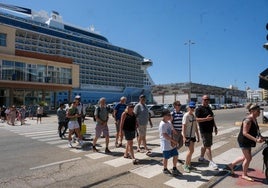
{"type": "Point", "coordinates": [74, 139]}
{"type": "Point", "coordinates": [80, 142]}
{"type": "Point", "coordinates": [70, 145]}
{"type": "Point", "coordinates": [202, 159]}
{"type": "Point", "coordinates": [213, 165]}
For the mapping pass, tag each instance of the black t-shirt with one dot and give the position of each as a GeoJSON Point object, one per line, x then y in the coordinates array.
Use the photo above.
{"type": "Point", "coordinates": [203, 112]}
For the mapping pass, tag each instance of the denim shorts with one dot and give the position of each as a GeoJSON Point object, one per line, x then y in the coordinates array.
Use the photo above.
{"type": "Point", "coordinates": [170, 153]}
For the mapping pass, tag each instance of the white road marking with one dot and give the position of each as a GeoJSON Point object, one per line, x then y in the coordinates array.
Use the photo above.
{"type": "Point", "coordinates": [55, 163]}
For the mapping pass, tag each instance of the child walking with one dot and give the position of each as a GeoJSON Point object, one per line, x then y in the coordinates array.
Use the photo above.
{"type": "Point", "coordinates": [189, 132]}
{"type": "Point", "coordinates": [168, 144]}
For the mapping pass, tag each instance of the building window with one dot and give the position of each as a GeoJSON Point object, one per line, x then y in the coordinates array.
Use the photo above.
{"type": "Point", "coordinates": [3, 39]}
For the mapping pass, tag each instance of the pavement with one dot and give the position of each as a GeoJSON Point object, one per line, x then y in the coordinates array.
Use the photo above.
{"type": "Point", "coordinates": [256, 172]}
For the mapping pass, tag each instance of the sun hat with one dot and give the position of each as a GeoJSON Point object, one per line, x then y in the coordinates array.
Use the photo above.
{"type": "Point", "coordinates": [254, 107]}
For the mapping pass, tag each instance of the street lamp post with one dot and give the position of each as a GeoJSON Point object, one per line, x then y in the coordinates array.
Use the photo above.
{"type": "Point", "coordinates": [189, 43]}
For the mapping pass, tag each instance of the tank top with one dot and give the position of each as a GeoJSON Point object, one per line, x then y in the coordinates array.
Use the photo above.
{"type": "Point", "coordinates": [130, 122]}
{"type": "Point", "coordinates": [253, 131]}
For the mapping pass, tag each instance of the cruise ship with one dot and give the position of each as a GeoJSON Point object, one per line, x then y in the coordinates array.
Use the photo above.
{"type": "Point", "coordinates": [44, 59]}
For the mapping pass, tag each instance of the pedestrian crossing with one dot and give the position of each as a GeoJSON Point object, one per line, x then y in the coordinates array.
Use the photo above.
{"type": "Point", "coordinates": [48, 133]}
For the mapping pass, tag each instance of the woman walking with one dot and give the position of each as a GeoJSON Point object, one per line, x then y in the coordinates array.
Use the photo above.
{"type": "Point", "coordinates": [128, 125]}
{"type": "Point", "coordinates": [248, 136]}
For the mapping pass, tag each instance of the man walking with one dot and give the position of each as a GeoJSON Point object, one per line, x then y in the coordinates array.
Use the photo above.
{"type": "Point", "coordinates": [118, 110]}
{"type": "Point", "coordinates": [142, 114]}
{"type": "Point", "coordinates": [102, 115]}
{"type": "Point", "coordinates": [205, 119]}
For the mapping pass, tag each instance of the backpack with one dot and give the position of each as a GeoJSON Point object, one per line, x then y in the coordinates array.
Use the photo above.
{"type": "Point", "coordinates": [98, 110]}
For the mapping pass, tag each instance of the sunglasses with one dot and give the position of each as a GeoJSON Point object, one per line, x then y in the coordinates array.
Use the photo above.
{"type": "Point", "coordinates": [206, 99]}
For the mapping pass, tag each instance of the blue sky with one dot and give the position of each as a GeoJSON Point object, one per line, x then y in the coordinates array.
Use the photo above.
{"type": "Point", "coordinates": [228, 35]}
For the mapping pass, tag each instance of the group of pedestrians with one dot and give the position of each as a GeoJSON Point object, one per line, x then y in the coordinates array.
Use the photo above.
{"type": "Point", "coordinates": [12, 114]}
{"type": "Point", "coordinates": [175, 129]}
{"type": "Point", "coordinates": [130, 121]}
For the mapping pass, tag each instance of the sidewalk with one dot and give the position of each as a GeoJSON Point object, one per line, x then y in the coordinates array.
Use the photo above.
{"type": "Point", "coordinates": [255, 171]}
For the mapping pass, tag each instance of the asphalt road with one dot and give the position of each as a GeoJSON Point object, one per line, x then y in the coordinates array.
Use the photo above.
{"type": "Point", "coordinates": [33, 156]}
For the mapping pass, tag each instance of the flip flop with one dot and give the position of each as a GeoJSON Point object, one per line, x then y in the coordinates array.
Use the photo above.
{"type": "Point", "coordinates": [247, 178]}
{"type": "Point", "coordinates": [135, 161]}
{"type": "Point", "coordinates": [230, 169]}
{"type": "Point", "coordinates": [127, 157]}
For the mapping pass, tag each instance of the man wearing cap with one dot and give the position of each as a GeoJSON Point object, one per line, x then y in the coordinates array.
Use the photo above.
{"type": "Point", "coordinates": [142, 114]}
{"type": "Point", "coordinates": [205, 119]}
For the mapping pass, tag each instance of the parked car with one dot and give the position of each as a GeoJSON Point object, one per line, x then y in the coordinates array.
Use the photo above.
{"type": "Point", "coordinates": [265, 117]}
{"type": "Point", "coordinates": [184, 108]}
{"type": "Point", "coordinates": [170, 107]}
{"type": "Point", "coordinates": [214, 106]}
{"type": "Point", "coordinates": [110, 107]}
{"type": "Point", "coordinates": [155, 109]}
{"type": "Point", "coordinates": [90, 109]}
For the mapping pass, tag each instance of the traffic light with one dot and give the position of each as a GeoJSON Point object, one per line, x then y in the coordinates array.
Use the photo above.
{"type": "Point", "coordinates": [266, 44]}
{"type": "Point", "coordinates": [267, 30]}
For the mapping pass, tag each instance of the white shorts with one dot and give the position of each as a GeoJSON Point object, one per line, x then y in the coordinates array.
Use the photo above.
{"type": "Point", "coordinates": [73, 125]}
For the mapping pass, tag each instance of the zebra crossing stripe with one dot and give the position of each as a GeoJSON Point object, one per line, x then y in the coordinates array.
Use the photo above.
{"type": "Point", "coordinates": [228, 156]}
{"type": "Point", "coordinates": [48, 139]}
{"type": "Point", "coordinates": [37, 133]}
{"type": "Point", "coordinates": [182, 155]}
{"type": "Point", "coordinates": [154, 170]}
{"type": "Point", "coordinates": [148, 171]}
{"type": "Point", "coordinates": [96, 155]}
{"type": "Point", "coordinates": [197, 178]}
{"type": "Point", "coordinates": [57, 142]}
{"type": "Point", "coordinates": [221, 132]}
{"type": "Point", "coordinates": [204, 173]}
{"type": "Point", "coordinates": [44, 136]}
{"type": "Point", "coordinates": [123, 161]}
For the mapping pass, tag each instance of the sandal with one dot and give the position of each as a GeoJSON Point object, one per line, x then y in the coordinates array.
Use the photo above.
{"type": "Point", "coordinates": [135, 161]}
{"type": "Point", "coordinates": [127, 157]}
{"type": "Point", "coordinates": [148, 152]}
{"type": "Point", "coordinates": [228, 167]}
{"type": "Point", "coordinates": [247, 178]}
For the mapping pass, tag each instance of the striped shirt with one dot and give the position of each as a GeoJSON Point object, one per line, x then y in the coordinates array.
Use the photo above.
{"type": "Point", "coordinates": [177, 120]}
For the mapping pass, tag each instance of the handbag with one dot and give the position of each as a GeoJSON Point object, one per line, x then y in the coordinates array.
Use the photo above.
{"type": "Point", "coordinates": [83, 129]}
{"type": "Point", "coordinates": [188, 140]}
